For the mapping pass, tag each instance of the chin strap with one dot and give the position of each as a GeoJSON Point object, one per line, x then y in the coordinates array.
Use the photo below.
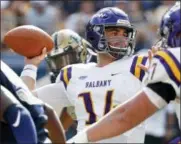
{"type": "Point", "coordinates": [124, 52]}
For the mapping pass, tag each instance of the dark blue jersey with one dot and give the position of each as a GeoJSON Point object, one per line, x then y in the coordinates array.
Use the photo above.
{"type": "Point", "coordinates": [15, 85]}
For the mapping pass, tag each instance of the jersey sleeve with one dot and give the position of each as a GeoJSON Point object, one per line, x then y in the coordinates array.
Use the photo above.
{"type": "Point", "coordinates": [166, 69]}
{"type": "Point", "coordinates": [135, 70]}
{"type": "Point", "coordinates": [163, 80]}
{"type": "Point", "coordinates": [55, 95]}
{"type": "Point", "coordinates": [64, 76]}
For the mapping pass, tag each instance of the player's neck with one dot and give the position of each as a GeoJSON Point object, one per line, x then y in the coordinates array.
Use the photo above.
{"type": "Point", "coordinates": [104, 59]}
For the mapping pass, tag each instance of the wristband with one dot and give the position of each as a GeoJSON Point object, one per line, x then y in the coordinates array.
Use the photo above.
{"type": "Point", "coordinates": [30, 71]}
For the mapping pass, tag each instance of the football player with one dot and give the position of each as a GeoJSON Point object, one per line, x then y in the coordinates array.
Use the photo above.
{"type": "Point", "coordinates": [162, 87]}
{"type": "Point", "coordinates": [69, 48]}
{"type": "Point", "coordinates": [93, 88]}
{"type": "Point", "coordinates": [14, 117]}
{"type": "Point", "coordinates": [26, 115]}
{"type": "Point", "coordinates": [59, 58]}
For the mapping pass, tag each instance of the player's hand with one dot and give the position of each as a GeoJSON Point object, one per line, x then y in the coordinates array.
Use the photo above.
{"type": "Point", "coordinates": [154, 49]}
{"type": "Point", "coordinates": [146, 68]}
{"type": "Point", "coordinates": [36, 60]}
{"type": "Point", "coordinates": [151, 53]}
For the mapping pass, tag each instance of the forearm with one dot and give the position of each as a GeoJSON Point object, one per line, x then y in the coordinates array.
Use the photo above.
{"type": "Point", "coordinates": [30, 83]}
{"type": "Point", "coordinates": [54, 126]}
{"type": "Point", "coordinates": [106, 128]}
{"type": "Point", "coordinates": [122, 118]}
{"type": "Point", "coordinates": [66, 119]}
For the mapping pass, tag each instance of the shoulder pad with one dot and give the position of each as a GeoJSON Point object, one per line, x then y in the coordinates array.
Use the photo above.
{"type": "Point", "coordinates": [70, 71]}
{"type": "Point", "coordinates": [65, 75]}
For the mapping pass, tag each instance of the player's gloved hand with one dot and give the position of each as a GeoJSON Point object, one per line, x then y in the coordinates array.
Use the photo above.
{"type": "Point", "coordinates": [36, 60]}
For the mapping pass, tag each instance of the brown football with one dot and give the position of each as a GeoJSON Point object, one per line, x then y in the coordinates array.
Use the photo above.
{"type": "Point", "coordinates": [28, 40]}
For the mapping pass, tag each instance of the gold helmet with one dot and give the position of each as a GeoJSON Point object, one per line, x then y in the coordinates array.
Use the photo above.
{"type": "Point", "coordinates": [69, 48]}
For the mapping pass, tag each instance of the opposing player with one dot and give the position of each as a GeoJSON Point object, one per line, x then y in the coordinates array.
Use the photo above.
{"type": "Point", "coordinates": [12, 129]}
{"type": "Point", "coordinates": [163, 86]}
{"type": "Point", "coordinates": [25, 114]}
{"type": "Point", "coordinates": [93, 88]}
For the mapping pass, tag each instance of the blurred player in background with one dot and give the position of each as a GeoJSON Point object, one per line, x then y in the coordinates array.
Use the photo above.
{"type": "Point", "coordinates": [92, 88]}
{"type": "Point", "coordinates": [69, 48]}
{"type": "Point", "coordinates": [26, 115]}
{"type": "Point", "coordinates": [171, 123]}
{"type": "Point", "coordinates": [163, 86]}
{"type": "Point", "coordinates": [58, 59]}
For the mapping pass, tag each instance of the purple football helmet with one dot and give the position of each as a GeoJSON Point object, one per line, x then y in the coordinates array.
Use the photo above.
{"type": "Point", "coordinates": [111, 17]}
{"type": "Point", "coordinates": [170, 27]}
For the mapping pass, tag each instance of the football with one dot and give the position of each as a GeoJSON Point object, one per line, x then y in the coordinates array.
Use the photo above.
{"type": "Point", "coordinates": [28, 40]}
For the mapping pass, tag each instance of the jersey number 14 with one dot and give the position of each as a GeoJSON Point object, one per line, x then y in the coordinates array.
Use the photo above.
{"type": "Point", "coordinates": [87, 99]}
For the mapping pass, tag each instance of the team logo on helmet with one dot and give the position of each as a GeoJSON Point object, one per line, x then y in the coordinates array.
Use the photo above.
{"type": "Point", "coordinates": [124, 22]}
{"type": "Point", "coordinates": [101, 15]}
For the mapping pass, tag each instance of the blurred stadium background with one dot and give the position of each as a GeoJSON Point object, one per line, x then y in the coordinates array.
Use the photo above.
{"type": "Point", "coordinates": [74, 14]}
